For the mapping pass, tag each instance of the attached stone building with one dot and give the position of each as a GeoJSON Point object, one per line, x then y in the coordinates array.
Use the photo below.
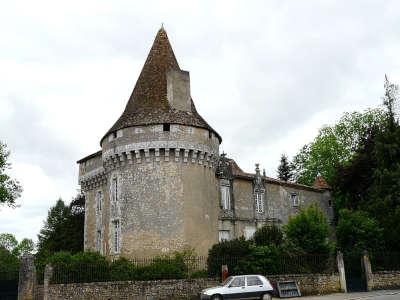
{"type": "Point", "coordinates": [159, 184]}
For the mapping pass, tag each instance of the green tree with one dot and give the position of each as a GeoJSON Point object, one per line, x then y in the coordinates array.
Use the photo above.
{"type": "Point", "coordinates": [384, 193]}
{"type": "Point", "coordinates": [309, 230]}
{"type": "Point", "coordinates": [63, 229]}
{"type": "Point", "coordinates": [370, 181]}
{"type": "Point", "coordinates": [24, 247]}
{"type": "Point", "coordinates": [357, 231]}
{"type": "Point", "coordinates": [10, 243]}
{"type": "Point", "coordinates": [285, 168]}
{"type": "Point", "coordinates": [10, 189]}
{"type": "Point", "coordinates": [9, 265]}
{"type": "Point", "coordinates": [334, 146]}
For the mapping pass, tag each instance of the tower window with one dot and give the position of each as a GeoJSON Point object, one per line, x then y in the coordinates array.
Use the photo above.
{"type": "Point", "coordinates": [99, 201]}
{"type": "Point", "coordinates": [98, 241]}
{"type": "Point", "coordinates": [166, 127]}
{"type": "Point", "coordinates": [116, 236]}
{"type": "Point", "coordinates": [114, 189]}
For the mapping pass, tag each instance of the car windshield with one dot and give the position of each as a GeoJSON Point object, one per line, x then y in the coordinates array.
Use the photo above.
{"type": "Point", "coordinates": [227, 280]}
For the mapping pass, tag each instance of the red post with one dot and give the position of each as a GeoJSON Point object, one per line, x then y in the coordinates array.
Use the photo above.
{"type": "Point", "coordinates": [224, 272]}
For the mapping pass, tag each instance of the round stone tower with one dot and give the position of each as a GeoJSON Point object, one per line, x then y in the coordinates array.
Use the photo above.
{"type": "Point", "coordinates": [158, 163]}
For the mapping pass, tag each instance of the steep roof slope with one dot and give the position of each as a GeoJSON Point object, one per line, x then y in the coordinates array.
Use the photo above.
{"type": "Point", "coordinates": [148, 102]}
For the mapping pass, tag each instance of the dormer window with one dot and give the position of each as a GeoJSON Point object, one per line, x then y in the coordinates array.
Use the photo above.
{"type": "Point", "coordinates": [294, 199]}
{"type": "Point", "coordinates": [166, 127]}
{"type": "Point", "coordinates": [225, 195]}
{"type": "Point", "coordinates": [259, 199]}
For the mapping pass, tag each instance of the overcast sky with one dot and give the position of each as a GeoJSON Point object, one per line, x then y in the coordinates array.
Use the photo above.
{"type": "Point", "coordinates": [265, 74]}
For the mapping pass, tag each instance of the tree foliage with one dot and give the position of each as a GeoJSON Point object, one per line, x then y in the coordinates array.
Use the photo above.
{"type": "Point", "coordinates": [10, 243]}
{"type": "Point", "coordinates": [370, 181]}
{"type": "Point", "coordinates": [285, 168]}
{"type": "Point", "coordinates": [334, 146]}
{"type": "Point", "coordinates": [309, 230]}
{"type": "Point", "coordinates": [10, 189]}
{"type": "Point", "coordinates": [63, 229]}
{"type": "Point", "coordinates": [357, 231]}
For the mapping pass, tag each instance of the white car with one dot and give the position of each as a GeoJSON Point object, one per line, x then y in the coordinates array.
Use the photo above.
{"type": "Point", "coordinates": [240, 287]}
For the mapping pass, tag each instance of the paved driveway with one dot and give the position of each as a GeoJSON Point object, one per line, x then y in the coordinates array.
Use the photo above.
{"type": "Point", "coordinates": [379, 295]}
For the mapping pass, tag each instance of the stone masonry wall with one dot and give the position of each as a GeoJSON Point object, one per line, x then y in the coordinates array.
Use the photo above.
{"type": "Point", "coordinates": [386, 280]}
{"type": "Point", "coordinates": [132, 290]}
{"type": "Point", "coordinates": [310, 284]}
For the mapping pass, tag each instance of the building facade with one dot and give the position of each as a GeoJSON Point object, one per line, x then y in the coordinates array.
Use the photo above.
{"type": "Point", "coordinates": [159, 183]}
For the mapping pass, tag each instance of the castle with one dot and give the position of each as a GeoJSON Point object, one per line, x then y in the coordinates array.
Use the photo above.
{"type": "Point", "coordinates": [159, 183]}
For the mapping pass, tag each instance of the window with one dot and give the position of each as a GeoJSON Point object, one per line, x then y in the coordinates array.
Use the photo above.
{"type": "Point", "coordinates": [99, 201]}
{"type": "Point", "coordinates": [295, 199]}
{"type": "Point", "coordinates": [98, 241]}
{"type": "Point", "coordinates": [166, 127]}
{"type": "Point", "coordinates": [225, 197]}
{"type": "Point", "coordinates": [116, 236]}
{"type": "Point", "coordinates": [253, 280]}
{"type": "Point", "coordinates": [259, 202]}
{"type": "Point", "coordinates": [209, 135]}
{"type": "Point", "coordinates": [330, 203]}
{"type": "Point", "coordinates": [249, 232]}
{"type": "Point", "coordinates": [237, 282]}
{"type": "Point", "coordinates": [224, 235]}
{"type": "Point", "coordinates": [114, 189]}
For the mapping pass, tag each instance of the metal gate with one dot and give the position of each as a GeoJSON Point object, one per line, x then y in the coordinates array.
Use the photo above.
{"type": "Point", "coordinates": [9, 289]}
{"type": "Point", "coordinates": [355, 278]}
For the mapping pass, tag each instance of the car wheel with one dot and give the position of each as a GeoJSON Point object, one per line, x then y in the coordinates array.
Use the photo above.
{"type": "Point", "coordinates": [216, 297]}
{"type": "Point", "coordinates": [266, 297]}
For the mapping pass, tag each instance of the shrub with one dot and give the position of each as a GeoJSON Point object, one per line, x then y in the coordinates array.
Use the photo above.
{"type": "Point", "coordinates": [260, 260]}
{"type": "Point", "coordinates": [226, 253]}
{"type": "Point", "coordinates": [122, 269]}
{"type": "Point", "coordinates": [162, 268]}
{"type": "Point", "coordinates": [268, 235]}
{"type": "Point", "coordinates": [309, 231]}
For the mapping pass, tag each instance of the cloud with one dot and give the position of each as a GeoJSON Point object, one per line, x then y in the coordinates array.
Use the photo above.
{"type": "Point", "coordinates": [265, 75]}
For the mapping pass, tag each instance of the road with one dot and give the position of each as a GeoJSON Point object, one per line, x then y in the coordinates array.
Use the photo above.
{"type": "Point", "coordinates": [379, 295]}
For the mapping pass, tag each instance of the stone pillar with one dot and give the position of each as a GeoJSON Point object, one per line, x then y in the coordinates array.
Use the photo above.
{"type": "Point", "coordinates": [342, 274]}
{"type": "Point", "coordinates": [48, 273]}
{"type": "Point", "coordinates": [366, 266]}
{"type": "Point", "coordinates": [27, 278]}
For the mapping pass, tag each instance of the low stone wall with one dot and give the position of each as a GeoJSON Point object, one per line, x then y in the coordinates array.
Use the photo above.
{"type": "Point", "coordinates": [311, 284]}
{"type": "Point", "coordinates": [386, 280]}
{"type": "Point", "coordinates": [132, 290]}
{"type": "Point", "coordinates": [38, 293]}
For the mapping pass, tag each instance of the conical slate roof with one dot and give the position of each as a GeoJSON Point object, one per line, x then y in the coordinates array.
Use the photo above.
{"type": "Point", "coordinates": [148, 102]}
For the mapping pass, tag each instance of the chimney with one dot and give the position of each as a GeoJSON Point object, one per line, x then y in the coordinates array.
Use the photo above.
{"type": "Point", "coordinates": [178, 90]}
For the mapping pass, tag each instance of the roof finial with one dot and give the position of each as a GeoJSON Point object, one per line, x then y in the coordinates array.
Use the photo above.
{"type": "Point", "coordinates": [162, 25]}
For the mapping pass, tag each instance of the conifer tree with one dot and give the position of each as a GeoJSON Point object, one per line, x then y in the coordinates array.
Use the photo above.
{"type": "Point", "coordinates": [285, 172]}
